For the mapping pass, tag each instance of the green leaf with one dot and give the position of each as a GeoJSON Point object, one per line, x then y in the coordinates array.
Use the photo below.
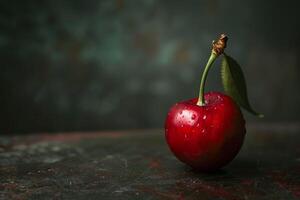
{"type": "Point", "coordinates": [234, 83]}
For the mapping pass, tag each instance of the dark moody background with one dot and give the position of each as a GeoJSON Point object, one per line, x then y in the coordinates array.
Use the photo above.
{"type": "Point", "coordinates": [120, 64]}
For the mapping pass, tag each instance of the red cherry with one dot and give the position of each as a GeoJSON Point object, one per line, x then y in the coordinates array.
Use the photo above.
{"type": "Point", "coordinates": [205, 137]}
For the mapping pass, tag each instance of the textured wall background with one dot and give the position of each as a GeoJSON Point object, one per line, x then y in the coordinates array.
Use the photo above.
{"type": "Point", "coordinates": [112, 64]}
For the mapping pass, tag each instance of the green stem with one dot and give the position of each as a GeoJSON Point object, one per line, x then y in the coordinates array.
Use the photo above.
{"type": "Point", "coordinates": [212, 58]}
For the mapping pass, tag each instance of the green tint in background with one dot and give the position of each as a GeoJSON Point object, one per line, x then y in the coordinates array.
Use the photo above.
{"type": "Point", "coordinates": [120, 64]}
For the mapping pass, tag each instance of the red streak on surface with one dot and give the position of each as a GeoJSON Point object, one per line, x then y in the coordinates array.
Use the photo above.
{"type": "Point", "coordinates": [164, 195]}
{"type": "Point", "coordinates": [73, 136]}
{"type": "Point", "coordinates": [213, 190]}
{"type": "Point", "coordinates": [280, 178]}
{"type": "Point", "coordinates": [247, 182]}
{"type": "Point", "coordinates": [8, 186]}
{"type": "Point", "coordinates": [217, 191]}
{"type": "Point", "coordinates": [154, 164]}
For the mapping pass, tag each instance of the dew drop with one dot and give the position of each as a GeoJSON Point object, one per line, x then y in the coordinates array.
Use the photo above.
{"type": "Point", "coordinates": [203, 131]}
{"type": "Point", "coordinates": [198, 125]}
{"type": "Point", "coordinates": [204, 117]}
{"type": "Point", "coordinates": [193, 116]}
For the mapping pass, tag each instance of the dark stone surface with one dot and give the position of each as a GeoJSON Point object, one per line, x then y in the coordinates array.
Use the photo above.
{"type": "Point", "coordinates": [138, 165]}
{"type": "Point", "coordinates": [93, 65]}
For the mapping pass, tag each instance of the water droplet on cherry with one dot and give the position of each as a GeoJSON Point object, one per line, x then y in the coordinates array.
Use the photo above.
{"type": "Point", "coordinates": [204, 117]}
{"type": "Point", "coordinates": [193, 116]}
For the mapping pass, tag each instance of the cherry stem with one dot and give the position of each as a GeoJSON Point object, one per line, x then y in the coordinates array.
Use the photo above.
{"type": "Point", "coordinates": [212, 58]}
{"type": "Point", "coordinates": [217, 49]}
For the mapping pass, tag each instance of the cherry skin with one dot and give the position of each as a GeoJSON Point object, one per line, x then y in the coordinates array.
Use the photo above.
{"type": "Point", "coordinates": [205, 137]}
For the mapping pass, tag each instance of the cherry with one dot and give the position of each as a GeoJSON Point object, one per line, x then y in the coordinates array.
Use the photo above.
{"type": "Point", "coordinates": [205, 137]}
{"type": "Point", "coordinates": [208, 132]}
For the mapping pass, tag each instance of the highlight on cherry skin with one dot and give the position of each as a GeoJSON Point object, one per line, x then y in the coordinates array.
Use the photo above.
{"type": "Point", "coordinates": [205, 137]}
